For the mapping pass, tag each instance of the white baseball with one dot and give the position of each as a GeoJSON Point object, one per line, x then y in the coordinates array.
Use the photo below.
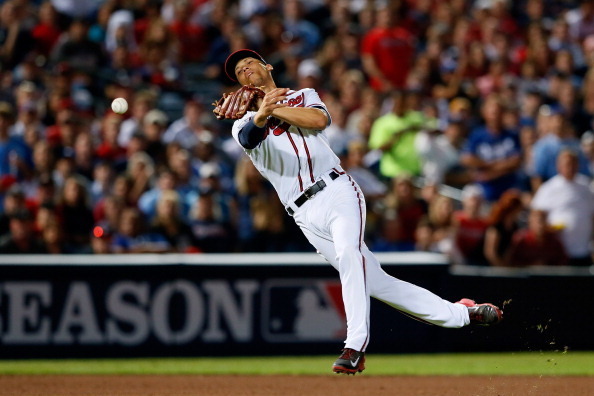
{"type": "Point", "coordinates": [119, 105]}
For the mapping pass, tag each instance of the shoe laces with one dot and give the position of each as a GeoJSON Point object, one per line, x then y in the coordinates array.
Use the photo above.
{"type": "Point", "coordinates": [349, 354]}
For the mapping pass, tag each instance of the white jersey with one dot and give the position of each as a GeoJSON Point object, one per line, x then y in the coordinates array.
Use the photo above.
{"type": "Point", "coordinates": [292, 158]}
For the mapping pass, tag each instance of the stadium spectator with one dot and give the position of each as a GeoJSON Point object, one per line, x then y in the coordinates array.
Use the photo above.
{"type": "Point", "coordinates": [192, 36]}
{"type": "Point", "coordinates": [386, 234]}
{"type": "Point", "coordinates": [260, 223]}
{"type": "Point", "coordinates": [559, 135]}
{"type": "Point", "coordinates": [208, 150]}
{"type": "Point", "coordinates": [142, 103]}
{"type": "Point", "coordinates": [107, 214]}
{"type": "Point", "coordinates": [187, 181]}
{"type": "Point", "coordinates": [373, 188]}
{"type": "Point", "coordinates": [76, 50]}
{"type": "Point", "coordinates": [98, 27]}
{"type": "Point", "coordinates": [440, 216]}
{"type": "Point", "coordinates": [46, 214]}
{"type": "Point", "coordinates": [83, 155]}
{"type": "Point", "coordinates": [15, 155]}
{"type": "Point", "coordinates": [169, 223]}
{"type": "Point", "coordinates": [587, 145]}
{"type": "Point", "coordinates": [387, 51]}
{"type": "Point", "coordinates": [394, 134]}
{"type": "Point", "coordinates": [132, 237]}
{"type": "Point", "coordinates": [470, 227]}
{"type": "Point", "coordinates": [223, 196]}
{"type": "Point", "coordinates": [47, 31]}
{"type": "Point", "coordinates": [585, 114]}
{"type": "Point", "coordinates": [103, 176]}
{"type": "Point", "coordinates": [141, 170]}
{"type": "Point", "coordinates": [230, 39]}
{"type": "Point", "coordinates": [52, 238]}
{"type": "Point", "coordinates": [15, 35]}
{"type": "Point", "coordinates": [14, 200]}
{"type": "Point", "coordinates": [492, 153]}
{"type": "Point", "coordinates": [537, 244]}
{"type": "Point", "coordinates": [569, 203]}
{"type": "Point", "coordinates": [63, 61]}
{"type": "Point", "coordinates": [210, 231]}
{"type": "Point", "coordinates": [403, 211]}
{"type": "Point", "coordinates": [147, 202]}
{"type": "Point", "coordinates": [159, 56]}
{"type": "Point", "coordinates": [75, 214]}
{"type": "Point", "coordinates": [120, 32]}
{"type": "Point", "coordinates": [581, 20]}
{"type": "Point", "coordinates": [303, 31]}
{"type": "Point", "coordinates": [109, 149]}
{"type": "Point", "coordinates": [440, 151]}
{"type": "Point", "coordinates": [503, 223]}
{"type": "Point", "coordinates": [424, 236]}
{"type": "Point", "coordinates": [187, 129]}
{"type": "Point", "coordinates": [153, 127]}
{"type": "Point", "coordinates": [28, 112]}
{"type": "Point", "coordinates": [20, 239]}
{"type": "Point", "coordinates": [122, 188]}
{"type": "Point", "coordinates": [46, 191]}
{"type": "Point", "coordinates": [75, 9]}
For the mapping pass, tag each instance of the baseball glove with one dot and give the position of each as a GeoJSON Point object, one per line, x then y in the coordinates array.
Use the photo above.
{"type": "Point", "coordinates": [234, 105]}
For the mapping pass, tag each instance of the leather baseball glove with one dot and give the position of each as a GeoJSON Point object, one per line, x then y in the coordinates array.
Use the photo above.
{"type": "Point", "coordinates": [234, 105]}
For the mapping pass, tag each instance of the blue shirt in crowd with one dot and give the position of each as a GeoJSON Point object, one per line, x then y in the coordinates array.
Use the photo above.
{"type": "Point", "coordinates": [546, 150]}
{"type": "Point", "coordinates": [492, 147]}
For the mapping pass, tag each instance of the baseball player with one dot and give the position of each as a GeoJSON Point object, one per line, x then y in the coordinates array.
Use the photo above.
{"type": "Point", "coordinates": [285, 140]}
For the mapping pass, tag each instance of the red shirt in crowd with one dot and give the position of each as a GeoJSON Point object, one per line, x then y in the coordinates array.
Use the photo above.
{"type": "Point", "coordinates": [45, 36]}
{"type": "Point", "coordinates": [192, 39]}
{"type": "Point", "coordinates": [527, 249]}
{"type": "Point", "coordinates": [393, 50]}
{"type": "Point", "coordinates": [408, 218]}
{"type": "Point", "coordinates": [470, 234]}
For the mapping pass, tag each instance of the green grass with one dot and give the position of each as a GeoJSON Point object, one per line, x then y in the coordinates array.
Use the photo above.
{"type": "Point", "coordinates": [525, 363]}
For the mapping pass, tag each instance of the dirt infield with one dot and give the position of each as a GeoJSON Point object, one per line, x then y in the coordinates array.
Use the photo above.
{"type": "Point", "coordinates": [157, 385]}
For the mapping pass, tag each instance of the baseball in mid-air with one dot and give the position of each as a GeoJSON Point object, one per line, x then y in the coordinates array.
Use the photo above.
{"type": "Point", "coordinates": [119, 105]}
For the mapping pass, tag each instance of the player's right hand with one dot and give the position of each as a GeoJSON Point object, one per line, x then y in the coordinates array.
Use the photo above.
{"type": "Point", "coordinates": [271, 101]}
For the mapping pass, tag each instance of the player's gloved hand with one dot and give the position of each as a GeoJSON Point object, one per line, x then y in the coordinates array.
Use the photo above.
{"type": "Point", "coordinates": [234, 105]}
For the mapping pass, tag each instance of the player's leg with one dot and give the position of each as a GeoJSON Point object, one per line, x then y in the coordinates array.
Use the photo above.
{"type": "Point", "coordinates": [352, 359]}
{"type": "Point", "coordinates": [347, 221]}
{"type": "Point", "coordinates": [334, 226]}
{"type": "Point", "coordinates": [411, 299]}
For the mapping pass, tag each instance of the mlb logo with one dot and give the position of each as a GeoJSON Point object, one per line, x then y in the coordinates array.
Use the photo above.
{"type": "Point", "coordinates": [302, 310]}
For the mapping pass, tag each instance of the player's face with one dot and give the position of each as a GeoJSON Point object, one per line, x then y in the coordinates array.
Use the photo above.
{"type": "Point", "coordinates": [251, 71]}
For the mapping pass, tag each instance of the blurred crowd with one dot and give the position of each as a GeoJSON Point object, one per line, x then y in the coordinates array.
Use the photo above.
{"type": "Point", "coordinates": [467, 123]}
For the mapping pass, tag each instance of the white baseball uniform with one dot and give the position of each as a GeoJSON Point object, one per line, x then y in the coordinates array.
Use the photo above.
{"type": "Point", "coordinates": [333, 220]}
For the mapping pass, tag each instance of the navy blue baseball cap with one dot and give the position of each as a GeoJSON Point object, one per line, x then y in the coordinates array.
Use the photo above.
{"type": "Point", "coordinates": [235, 57]}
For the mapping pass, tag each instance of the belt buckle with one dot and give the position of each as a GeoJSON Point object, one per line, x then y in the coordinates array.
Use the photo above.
{"type": "Point", "coordinates": [308, 193]}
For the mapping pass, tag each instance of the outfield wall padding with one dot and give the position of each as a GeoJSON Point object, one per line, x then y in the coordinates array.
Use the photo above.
{"type": "Point", "coordinates": [276, 304]}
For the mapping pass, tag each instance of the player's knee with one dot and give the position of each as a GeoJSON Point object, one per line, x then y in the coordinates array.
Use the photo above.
{"type": "Point", "coordinates": [349, 254]}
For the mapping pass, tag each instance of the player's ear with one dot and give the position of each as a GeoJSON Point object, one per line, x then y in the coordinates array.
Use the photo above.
{"type": "Point", "coordinates": [267, 66]}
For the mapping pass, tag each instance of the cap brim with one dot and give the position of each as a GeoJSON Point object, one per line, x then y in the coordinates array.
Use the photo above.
{"type": "Point", "coordinates": [235, 57]}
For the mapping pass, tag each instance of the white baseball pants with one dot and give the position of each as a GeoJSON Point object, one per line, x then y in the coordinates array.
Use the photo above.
{"type": "Point", "coordinates": [333, 221]}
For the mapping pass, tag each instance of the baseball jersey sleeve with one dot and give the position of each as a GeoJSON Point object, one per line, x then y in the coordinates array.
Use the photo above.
{"type": "Point", "coordinates": [312, 99]}
{"type": "Point", "coordinates": [240, 124]}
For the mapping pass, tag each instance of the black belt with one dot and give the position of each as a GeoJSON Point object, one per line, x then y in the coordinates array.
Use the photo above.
{"type": "Point", "coordinates": [311, 191]}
